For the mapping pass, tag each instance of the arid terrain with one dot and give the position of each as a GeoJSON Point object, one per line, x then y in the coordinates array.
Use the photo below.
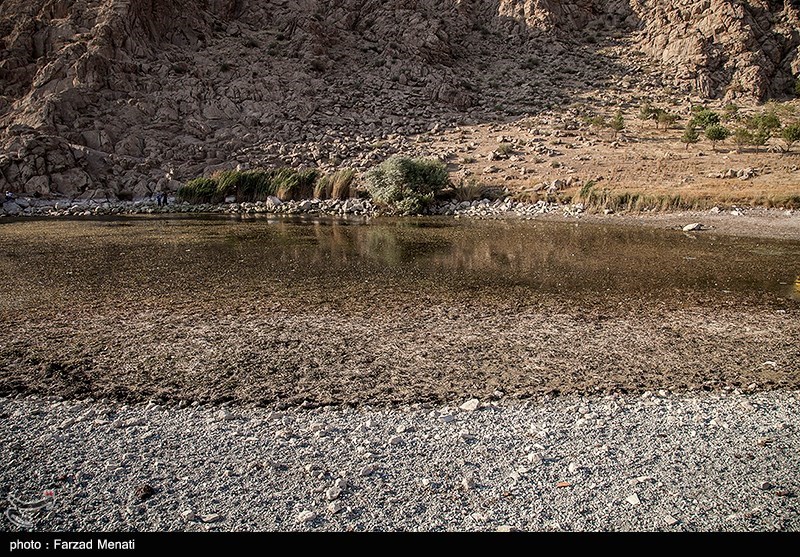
{"type": "Point", "coordinates": [221, 308]}
{"type": "Point", "coordinates": [101, 98]}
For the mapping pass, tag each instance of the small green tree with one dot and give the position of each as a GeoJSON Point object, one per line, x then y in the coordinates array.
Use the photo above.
{"type": "Point", "coordinates": [760, 138]}
{"type": "Point", "coordinates": [617, 123]}
{"type": "Point", "coordinates": [667, 119]}
{"type": "Point", "coordinates": [705, 118]}
{"type": "Point", "coordinates": [742, 137]}
{"type": "Point", "coordinates": [766, 119]}
{"type": "Point", "coordinates": [646, 112]}
{"type": "Point", "coordinates": [715, 133]}
{"type": "Point", "coordinates": [690, 135]}
{"type": "Point", "coordinates": [797, 87]}
{"type": "Point", "coordinates": [791, 134]}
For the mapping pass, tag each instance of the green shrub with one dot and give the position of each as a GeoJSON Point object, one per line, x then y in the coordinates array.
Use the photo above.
{"type": "Point", "coordinates": [252, 185]}
{"type": "Point", "coordinates": [199, 190]}
{"type": "Point", "coordinates": [690, 135]}
{"type": "Point", "coordinates": [791, 134]}
{"type": "Point", "coordinates": [468, 189]}
{"type": "Point", "coordinates": [797, 87]}
{"type": "Point", "coordinates": [705, 118]}
{"type": "Point", "coordinates": [407, 184]}
{"type": "Point", "coordinates": [715, 133]}
{"type": "Point", "coordinates": [335, 186]}
{"type": "Point", "coordinates": [742, 137]}
{"type": "Point", "coordinates": [505, 149]}
{"type": "Point", "coordinates": [617, 123]}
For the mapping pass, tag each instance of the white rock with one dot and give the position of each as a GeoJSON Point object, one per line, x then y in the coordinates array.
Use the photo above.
{"type": "Point", "coordinates": [633, 499]}
{"type": "Point", "coordinates": [340, 483]}
{"type": "Point", "coordinates": [534, 458]}
{"type": "Point", "coordinates": [670, 520]}
{"type": "Point", "coordinates": [305, 516]}
{"type": "Point", "coordinates": [188, 515]}
{"type": "Point", "coordinates": [224, 415]}
{"type": "Point", "coordinates": [335, 506]}
{"type": "Point", "coordinates": [332, 493]}
{"type": "Point", "coordinates": [213, 517]}
{"type": "Point", "coordinates": [401, 428]}
{"type": "Point", "coordinates": [573, 467]}
{"type": "Point", "coordinates": [471, 405]}
{"type": "Point", "coordinates": [468, 482]}
{"type": "Point", "coordinates": [692, 227]}
{"type": "Point", "coordinates": [506, 528]}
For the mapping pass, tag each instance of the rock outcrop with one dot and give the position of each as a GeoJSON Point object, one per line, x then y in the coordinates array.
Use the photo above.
{"type": "Point", "coordinates": [105, 98]}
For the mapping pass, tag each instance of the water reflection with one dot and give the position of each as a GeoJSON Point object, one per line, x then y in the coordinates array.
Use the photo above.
{"type": "Point", "coordinates": [329, 258]}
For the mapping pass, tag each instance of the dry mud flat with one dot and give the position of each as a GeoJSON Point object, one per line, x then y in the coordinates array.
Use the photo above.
{"type": "Point", "coordinates": [660, 461]}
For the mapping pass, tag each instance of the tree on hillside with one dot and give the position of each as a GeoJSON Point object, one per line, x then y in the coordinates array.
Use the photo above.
{"type": "Point", "coordinates": [791, 134]}
{"type": "Point", "coordinates": [667, 119]}
{"type": "Point", "coordinates": [715, 133]}
{"type": "Point", "coordinates": [797, 87]}
{"type": "Point", "coordinates": [761, 127]}
{"type": "Point", "coordinates": [617, 123]}
{"type": "Point", "coordinates": [690, 135]}
{"type": "Point", "coordinates": [742, 137]}
{"type": "Point", "coordinates": [705, 118]}
{"type": "Point", "coordinates": [647, 112]}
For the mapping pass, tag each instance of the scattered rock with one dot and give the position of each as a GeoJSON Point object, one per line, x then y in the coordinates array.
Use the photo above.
{"type": "Point", "coordinates": [670, 520]}
{"type": "Point", "coordinates": [332, 493]}
{"type": "Point", "coordinates": [471, 405]}
{"type": "Point", "coordinates": [633, 499]}
{"type": "Point", "coordinates": [693, 227]}
{"type": "Point", "coordinates": [305, 517]}
{"type": "Point", "coordinates": [335, 506]}
{"type": "Point", "coordinates": [211, 518]}
{"type": "Point", "coordinates": [367, 470]}
{"type": "Point", "coordinates": [144, 491]}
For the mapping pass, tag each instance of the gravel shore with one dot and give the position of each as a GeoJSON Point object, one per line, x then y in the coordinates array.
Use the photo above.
{"type": "Point", "coordinates": [658, 461]}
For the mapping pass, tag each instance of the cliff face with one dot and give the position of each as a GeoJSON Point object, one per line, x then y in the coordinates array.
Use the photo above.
{"type": "Point", "coordinates": [107, 96]}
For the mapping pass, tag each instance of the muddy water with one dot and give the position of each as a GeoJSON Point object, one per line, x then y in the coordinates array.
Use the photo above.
{"type": "Point", "coordinates": [61, 263]}
{"type": "Point", "coordinates": [394, 311]}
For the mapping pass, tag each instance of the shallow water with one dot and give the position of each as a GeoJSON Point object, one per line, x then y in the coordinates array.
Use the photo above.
{"type": "Point", "coordinates": [66, 262]}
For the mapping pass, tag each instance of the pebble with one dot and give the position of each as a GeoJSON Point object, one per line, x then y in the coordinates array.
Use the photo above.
{"type": "Point", "coordinates": [395, 440]}
{"type": "Point", "coordinates": [446, 418]}
{"type": "Point", "coordinates": [332, 493]}
{"type": "Point", "coordinates": [471, 405]}
{"type": "Point", "coordinates": [210, 518]}
{"type": "Point", "coordinates": [670, 520]}
{"type": "Point", "coordinates": [573, 467]}
{"type": "Point", "coordinates": [633, 499]}
{"type": "Point", "coordinates": [224, 415]}
{"type": "Point", "coordinates": [188, 515]}
{"type": "Point", "coordinates": [367, 470]}
{"type": "Point", "coordinates": [305, 517]}
{"type": "Point", "coordinates": [335, 506]}
{"type": "Point", "coordinates": [468, 482]}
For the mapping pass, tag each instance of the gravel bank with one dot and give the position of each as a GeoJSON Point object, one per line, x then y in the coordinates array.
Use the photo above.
{"type": "Point", "coordinates": [660, 461]}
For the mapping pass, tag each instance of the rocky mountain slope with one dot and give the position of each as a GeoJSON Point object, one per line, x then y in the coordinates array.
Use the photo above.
{"type": "Point", "coordinates": [119, 98]}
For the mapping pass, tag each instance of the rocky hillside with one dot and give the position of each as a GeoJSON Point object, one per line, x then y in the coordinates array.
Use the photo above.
{"type": "Point", "coordinates": [118, 98]}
